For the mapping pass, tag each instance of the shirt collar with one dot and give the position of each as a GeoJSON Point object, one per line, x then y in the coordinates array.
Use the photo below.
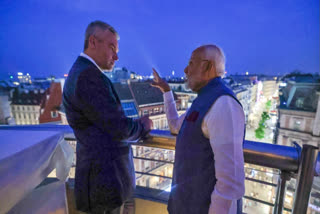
{"type": "Point", "coordinates": [90, 59]}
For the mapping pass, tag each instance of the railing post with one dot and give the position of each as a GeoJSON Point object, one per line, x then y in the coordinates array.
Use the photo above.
{"type": "Point", "coordinates": [305, 179]}
{"type": "Point", "coordinates": [281, 189]}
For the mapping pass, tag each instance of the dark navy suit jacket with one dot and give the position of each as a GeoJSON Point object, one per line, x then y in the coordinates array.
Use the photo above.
{"type": "Point", "coordinates": [104, 170]}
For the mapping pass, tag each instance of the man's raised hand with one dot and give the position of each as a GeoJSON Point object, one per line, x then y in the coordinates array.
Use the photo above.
{"type": "Point", "coordinates": [159, 83]}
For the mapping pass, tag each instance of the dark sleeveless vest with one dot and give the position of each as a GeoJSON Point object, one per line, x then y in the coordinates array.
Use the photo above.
{"type": "Point", "coordinates": [194, 171]}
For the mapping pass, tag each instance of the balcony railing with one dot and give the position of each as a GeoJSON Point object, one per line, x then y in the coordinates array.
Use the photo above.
{"type": "Point", "coordinates": [269, 168]}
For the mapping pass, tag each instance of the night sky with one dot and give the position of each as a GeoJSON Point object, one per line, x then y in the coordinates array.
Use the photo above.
{"type": "Point", "coordinates": [44, 38]}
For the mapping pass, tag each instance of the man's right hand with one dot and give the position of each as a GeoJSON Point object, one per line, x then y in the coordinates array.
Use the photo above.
{"type": "Point", "coordinates": [159, 83]}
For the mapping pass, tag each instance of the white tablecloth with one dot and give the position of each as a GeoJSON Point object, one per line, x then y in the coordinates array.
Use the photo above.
{"type": "Point", "coordinates": [26, 159]}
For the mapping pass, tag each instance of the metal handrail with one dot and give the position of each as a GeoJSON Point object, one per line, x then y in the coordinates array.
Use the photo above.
{"type": "Point", "coordinates": [289, 160]}
{"type": "Point", "coordinates": [269, 155]}
{"type": "Point", "coordinates": [284, 158]}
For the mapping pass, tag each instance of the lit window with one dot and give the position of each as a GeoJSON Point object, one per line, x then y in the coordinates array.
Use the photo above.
{"type": "Point", "coordinates": [297, 124]}
{"type": "Point", "coordinates": [54, 114]}
{"type": "Point", "coordinates": [299, 102]}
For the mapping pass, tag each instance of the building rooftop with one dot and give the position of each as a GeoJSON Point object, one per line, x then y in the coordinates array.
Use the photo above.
{"type": "Point", "coordinates": [299, 96]}
{"type": "Point", "coordinates": [27, 97]}
{"type": "Point", "coordinates": [123, 91]}
{"type": "Point", "coordinates": [241, 79]}
{"type": "Point", "coordinates": [301, 78]}
{"type": "Point", "coordinates": [6, 85]}
{"type": "Point", "coordinates": [144, 93]}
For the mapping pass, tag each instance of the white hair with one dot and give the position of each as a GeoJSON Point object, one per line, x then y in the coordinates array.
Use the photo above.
{"type": "Point", "coordinates": [216, 54]}
{"type": "Point", "coordinates": [220, 62]}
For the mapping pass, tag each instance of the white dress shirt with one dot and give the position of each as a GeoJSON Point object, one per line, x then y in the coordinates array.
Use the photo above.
{"type": "Point", "coordinates": [90, 59]}
{"type": "Point", "coordinates": [224, 126]}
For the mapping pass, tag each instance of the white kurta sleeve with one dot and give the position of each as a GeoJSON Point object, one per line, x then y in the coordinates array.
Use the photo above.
{"type": "Point", "coordinates": [174, 121]}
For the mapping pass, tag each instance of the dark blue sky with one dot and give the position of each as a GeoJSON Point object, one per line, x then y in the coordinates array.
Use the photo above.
{"type": "Point", "coordinates": [44, 38]}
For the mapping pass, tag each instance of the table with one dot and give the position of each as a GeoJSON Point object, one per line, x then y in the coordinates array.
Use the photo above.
{"type": "Point", "coordinates": [26, 159]}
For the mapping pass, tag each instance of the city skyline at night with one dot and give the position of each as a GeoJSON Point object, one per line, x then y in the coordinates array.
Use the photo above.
{"type": "Point", "coordinates": [271, 38]}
